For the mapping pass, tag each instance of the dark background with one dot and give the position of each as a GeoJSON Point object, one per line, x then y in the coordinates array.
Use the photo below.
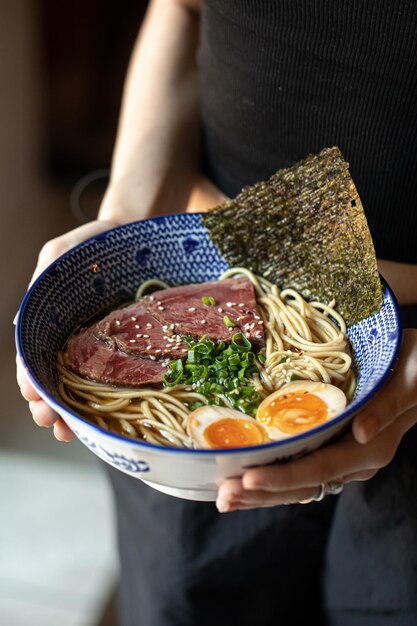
{"type": "Point", "coordinates": [62, 69]}
{"type": "Point", "coordinates": [85, 52]}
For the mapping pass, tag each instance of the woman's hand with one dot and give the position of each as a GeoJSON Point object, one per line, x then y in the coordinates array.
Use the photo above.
{"type": "Point", "coordinates": [42, 414]}
{"type": "Point", "coordinates": [370, 445]}
{"type": "Point", "coordinates": [204, 196]}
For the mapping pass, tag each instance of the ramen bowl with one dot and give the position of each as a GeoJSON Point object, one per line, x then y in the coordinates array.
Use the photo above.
{"type": "Point", "coordinates": [105, 271]}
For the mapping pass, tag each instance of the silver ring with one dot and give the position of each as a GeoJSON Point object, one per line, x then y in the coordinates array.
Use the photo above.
{"type": "Point", "coordinates": [332, 488]}
{"type": "Point", "coordinates": [321, 493]}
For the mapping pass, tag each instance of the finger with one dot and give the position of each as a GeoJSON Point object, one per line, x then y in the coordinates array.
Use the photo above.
{"type": "Point", "coordinates": [397, 397]}
{"type": "Point", "coordinates": [62, 432]}
{"type": "Point", "coordinates": [342, 458]}
{"type": "Point", "coordinates": [26, 389]}
{"type": "Point", "coordinates": [42, 414]}
{"type": "Point", "coordinates": [232, 496]}
{"type": "Point", "coordinates": [45, 417]}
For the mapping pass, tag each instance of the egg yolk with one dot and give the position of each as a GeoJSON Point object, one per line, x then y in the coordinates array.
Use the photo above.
{"type": "Point", "coordinates": [232, 432]}
{"type": "Point", "coordinates": [294, 412]}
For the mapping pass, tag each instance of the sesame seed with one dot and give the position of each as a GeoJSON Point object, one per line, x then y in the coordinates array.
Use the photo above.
{"type": "Point", "coordinates": [247, 334]}
{"type": "Point", "coordinates": [149, 326]}
{"type": "Point", "coordinates": [161, 308]}
{"type": "Point", "coordinates": [148, 347]}
{"type": "Point", "coordinates": [167, 345]}
{"type": "Point", "coordinates": [139, 335]}
{"type": "Point", "coordinates": [184, 350]}
{"type": "Point", "coordinates": [192, 309]}
{"type": "Point", "coordinates": [204, 321]}
{"type": "Point", "coordinates": [257, 317]}
{"type": "Point", "coordinates": [152, 357]}
{"type": "Point", "coordinates": [240, 304]}
{"type": "Point", "coordinates": [158, 351]}
{"type": "Point", "coordinates": [172, 326]}
{"type": "Point", "coordinates": [152, 298]}
{"type": "Point", "coordinates": [260, 323]}
{"type": "Point", "coordinates": [146, 336]}
{"type": "Point", "coordinates": [158, 303]}
{"type": "Point", "coordinates": [117, 322]}
{"type": "Point", "coordinates": [133, 319]}
{"type": "Point", "coordinates": [175, 347]}
{"type": "Point", "coordinates": [137, 326]}
{"type": "Point", "coordinates": [220, 310]}
{"type": "Point", "coordinates": [164, 328]}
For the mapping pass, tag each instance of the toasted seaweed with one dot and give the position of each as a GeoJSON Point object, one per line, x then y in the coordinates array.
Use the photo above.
{"type": "Point", "coordinates": [305, 228]}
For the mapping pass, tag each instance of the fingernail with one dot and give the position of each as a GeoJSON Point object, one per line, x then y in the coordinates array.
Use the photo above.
{"type": "Point", "coordinates": [224, 506]}
{"type": "Point", "coordinates": [369, 428]}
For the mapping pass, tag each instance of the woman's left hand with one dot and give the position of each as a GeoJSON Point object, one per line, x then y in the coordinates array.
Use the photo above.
{"type": "Point", "coordinates": [370, 445]}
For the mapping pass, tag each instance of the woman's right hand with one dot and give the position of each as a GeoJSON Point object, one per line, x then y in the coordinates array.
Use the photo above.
{"type": "Point", "coordinates": [42, 413]}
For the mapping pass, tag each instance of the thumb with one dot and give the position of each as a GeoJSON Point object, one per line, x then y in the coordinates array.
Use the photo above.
{"type": "Point", "coordinates": [397, 396]}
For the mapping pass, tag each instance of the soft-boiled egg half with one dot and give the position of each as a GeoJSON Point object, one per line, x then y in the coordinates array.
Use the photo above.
{"type": "Point", "coordinates": [220, 427]}
{"type": "Point", "coordinates": [293, 409]}
{"type": "Point", "coordinates": [300, 406]}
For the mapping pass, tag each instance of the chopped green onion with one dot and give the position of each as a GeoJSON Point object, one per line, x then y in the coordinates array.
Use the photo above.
{"type": "Point", "coordinates": [208, 301]}
{"type": "Point", "coordinates": [219, 371]}
{"type": "Point", "coordinates": [239, 342]}
{"type": "Point", "coordinates": [228, 322]}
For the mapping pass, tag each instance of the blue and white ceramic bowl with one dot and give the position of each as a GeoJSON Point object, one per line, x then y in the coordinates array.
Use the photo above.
{"type": "Point", "coordinates": [105, 271]}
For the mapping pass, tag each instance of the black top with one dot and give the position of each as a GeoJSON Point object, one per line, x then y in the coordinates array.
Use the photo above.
{"type": "Point", "coordinates": [281, 79]}
{"type": "Point", "coordinates": [284, 78]}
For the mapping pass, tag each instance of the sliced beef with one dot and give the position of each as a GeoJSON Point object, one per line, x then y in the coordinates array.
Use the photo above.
{"type": "Point", "coordinates": [129, 345]}
{"type": "Point", "coordinates": [135, 330]}
{"type": "Point", "coordinates": [91, 357]}
{"type": "Point", "coordinates": [234, 297]}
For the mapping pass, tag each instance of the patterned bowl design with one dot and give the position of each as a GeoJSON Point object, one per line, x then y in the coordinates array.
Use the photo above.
{"type": "Point", "coordinates": [105, 272]}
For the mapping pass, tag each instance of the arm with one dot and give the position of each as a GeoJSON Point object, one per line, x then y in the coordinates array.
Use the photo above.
{"type": "Point", "coordinates": [156, 157]}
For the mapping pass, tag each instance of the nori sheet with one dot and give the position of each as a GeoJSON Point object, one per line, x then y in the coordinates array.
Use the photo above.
{"type": "Point", "coordinates": [304, 228]}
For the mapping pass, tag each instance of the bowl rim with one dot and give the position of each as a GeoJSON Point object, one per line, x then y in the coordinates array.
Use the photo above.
{"type": "Point", "coordinates": [63, 408]}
